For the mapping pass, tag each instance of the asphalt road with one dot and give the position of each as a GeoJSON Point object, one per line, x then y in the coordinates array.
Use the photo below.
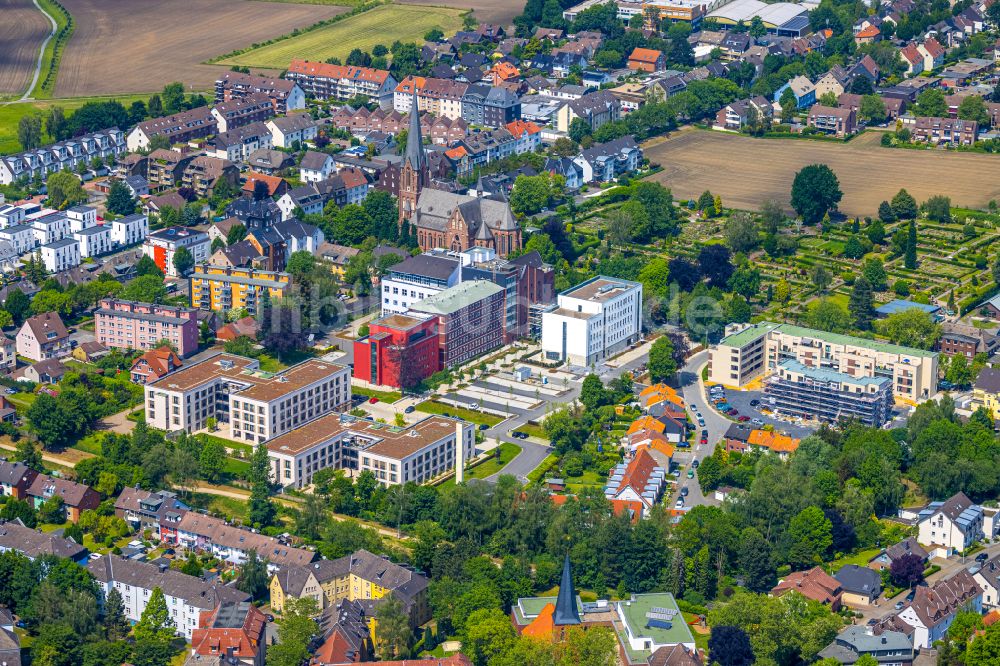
{"type": "Point", "coordinates": [693, 391]}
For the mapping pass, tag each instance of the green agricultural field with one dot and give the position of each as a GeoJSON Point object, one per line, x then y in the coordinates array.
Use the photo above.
{"type": "Point", "coordinates": [11, 114]}
{"type": "Point", "coordinates": [382, 25]}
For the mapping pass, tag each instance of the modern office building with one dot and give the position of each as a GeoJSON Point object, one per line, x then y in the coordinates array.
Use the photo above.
{"type": "Point", "coordinates": [418, 453]}
{"type": "Point", "coordinates": [751, 351]}
{"type": "Point", "coordinates": [470, 320]}
{"type": "Point", "coordinates": [592, 321]}
{"type": "Point", "coordinates": [255, 405]}
{"type": "Point", "coordinates": [130, 325]}
{"type": "Point", "coordinates": [399, 351]}
{"type": "Point", "coordinates": [232, 288]}
{"type": "Point", "coordinates": [827, 395]}
{"type": "Point", "coordinates": [416, 278]}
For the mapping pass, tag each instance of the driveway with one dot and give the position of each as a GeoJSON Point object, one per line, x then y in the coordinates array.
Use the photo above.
{"type": "Point", "coordinates": [740, 400]}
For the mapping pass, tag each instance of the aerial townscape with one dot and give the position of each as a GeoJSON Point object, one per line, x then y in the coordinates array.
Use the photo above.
{"type": "Point", "coordinates": [483, 333]}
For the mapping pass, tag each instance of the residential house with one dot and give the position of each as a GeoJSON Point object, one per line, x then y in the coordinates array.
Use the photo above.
{"type": "Point", "coordinates": [868, 35]}
{"type": "Point", "coordinates": [186, 596]}
{"type": "Point", "coordinates": [568, 169]}
{"type": "Point", "coordinates": [966, 340]}
{"type": "Point", "coordinates": [130, 229]}
{"type": "Point", "coordinates": [326, 81]}
{"type": "Point", "coordinates": [179, 127]}
{"type": "Point", "coordinates": [238, 113]}
{"type": "Point", "coordinates": [69, 154]}
{"type": "Point", "coordinates": [838, 122]}
{"type": "Point", "coordinates": [200, 532]}
{"type": "Point", "coordinates": [802, 88]}
{"type": "Point", "coordinates": [269, 162]}
{"type": "Point", "coordinates": [913, 59]}
{"type": "Point", "coordinates": [641, 480]}
{"type": "Point", "coordinates": [236, 145]}
{"type": "Point", "coordinates": [204, 173]}
{"type": "Point", "coordinates": [154, 364]}
{"type": "Point", "coordinates": [937, 131]}
{"type": "Point", "coordinates": [986, 391]}
{"type": "Point", "coordinates": [315, 167]}
{"type": "Point", "coordinates": [603, 162]}
{"type": "Point", "coordinates": [647, 60]}
{"type": "Point", "coordinates": [49, 371]}
{"type": "Point", "coordinates": [8, 353]}
{"type": "Point", "coordinates": [953, 525]}
{"type": "Point", "coordinates": [927, 618]}
{"type": "Point", "coordinates": [295, 127]}
{"type": "Point", "coordinates": [35, 543]}
{"type": "Point", "coordinates": [907, 546]}
{"type": "Point", "coordinates": [886, 647]}
{"type": "Point", "coordinates": [76, 497]}
{"type": "Point", "coordinates": [988, 578]}
{"type": "Point", "coordinates": [234, 633]}
{"type": "Point", "coordinates": [595, 109]}
{"type": "Point", "coordinates": [813, 584]}
{"type": "Point", "coordinates": [43, 337]}
{"type": "Point", "coordinates": [161, 246]}
{"type": "Point", "coordinates": [933, 54]}
{"type": "Point", "coordinates": [345, 634]}
{"type": "Point", "coordinates": [15, 479]}
{"type": "Point", "coordinates": [489, 106]}
{"type": "Point", "coordinates": [860, 585]}
{"type": "Point", "coordinates": [743, 113]}
{"type": "Point", "coordinates": [131, 325]}
{"type": "Point", "coordinates": [158, 512]}
{"type": "Point", "coordinates": [285, 95]}
{"type": "Point", "coordinates": [90, 351]}
{"type": "Point", "coordinates": [245, 327]}
{"type": "Point", "coordinates": [271, 186]}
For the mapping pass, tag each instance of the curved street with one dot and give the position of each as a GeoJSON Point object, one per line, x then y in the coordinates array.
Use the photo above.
{"type": "Point", "coordinates": [693, 391]}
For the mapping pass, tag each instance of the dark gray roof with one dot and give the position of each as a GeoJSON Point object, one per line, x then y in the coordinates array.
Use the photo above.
{"type": "Point", "coordinates": [859, 580]}
{"type": "Point", "coordinates": [566, 611]}
{"type": "Point", "coordinates": [33, 543]}
{"type": "Point", "coordinates": [314, 161]}
{"type": "Point", "coordinates": [431, 266]}
{"type": "Point", "coordinates": [904, 547]}
{"type": "Point", "coordinates": [988, 380]}
{"type": "Point", "coordinates": [414, 141]}
{"type": "Point", "coordinates": [855, 641]}
{"type": "Point", "coordinates": [193, 590]}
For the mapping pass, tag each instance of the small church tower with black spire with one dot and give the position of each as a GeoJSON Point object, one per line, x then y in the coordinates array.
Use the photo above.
{"type": "Point", "coordinates": [413, 175]}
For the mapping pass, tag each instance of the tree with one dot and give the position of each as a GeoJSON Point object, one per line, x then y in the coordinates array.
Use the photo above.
{"type": "Point", "coordinates": [789, 104]}
{"type": "Point", "coordinates": [58, 422]}
{"type": "Point", "coordinates": [959, 373]}
{"type": "Point", "coordinates": [29, 132]}
{"type": "Point", "coordinates": [872, 109]}
{"type": "Point", "coordinates": [662, 365]}
{"type": "Point", "coordinates": [874, 271]}
{"type": "Point", "coordinates": [985, 649]}
{"type": "Point", "coordinates": [756, 561]}
{"type": "Point", "coordinates": [578, 129]}
{"type": "Point", "coordinates": [155, 624]}
{"type": "Point", "coordinates": [116, 624]}
{"type": "Point", "coordinates": [931, 102]}
{"type": "Point", "coordinates": [212, 460]}
{"type": "Point", "coordinates": [253, 578]}
{"type": "Point", "coordinates": [911, 328]}
{"type": "Point", "coordinates": [145, 289]}
{"type": "Point", "coordinates": [821, 277]}
{"type": "Point", "coordinates": [740, 232]}
{"type": "Point", "coordinates": [394, 634]}
{"type": "Point", "coordinates": [906, 571]}
{"type": "Point", "coordinates": [17, 304]}
{"type": "Point", "coordinates": [811, 536]}
{"type": "Point", "coordinates": [885, 212]}
{"type": "Point", "coordinates": [592, 392]}
{"type": "Point", "coordinates": [910, 256]}
{"type": "Point", "coordinates": [828, 315]}
{"type": "Point", "coordinates": [730, 646]}
{"type": "Point", "coordinates": [120, 201]}
{"type": "Point", "coordinates": [146, 266]}
{"type": "Point", "coordinates": [295, 633]}
{"type": "Point", "coordinates": [815, 192]}
{"type": "Point", "coordinates": [488, 634]}
{"type": "Point", "coordinates": [65, 190]}
{"type": "Point", "coordinates": [312, 516]}
{"type": "Point", "coordinates": [530, 194]}
{"type": "Point", "coordinates": [904, 206]}
{"type": "Point", "coordinates": [715, 265]}
{"type": "Point", "coordinates": [56, 125]}
{"type": "Point", "coordinates": [261, 509]}
{"type": "Point", "coordinates": [861, 305]}
{"type": "Point", "coordinates": [938, 208]}
{"type": "Point", "coordinates": [28, 454]}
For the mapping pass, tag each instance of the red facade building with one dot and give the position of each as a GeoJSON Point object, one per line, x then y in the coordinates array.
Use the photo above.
{"type": "Point", "coordinates": [399, 351]}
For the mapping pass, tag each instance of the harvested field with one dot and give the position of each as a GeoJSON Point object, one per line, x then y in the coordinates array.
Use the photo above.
{"type": "Point", "coordinates": [747, 172]}
{"type": "Point", "coordinates": [382, 25]}
{"type": "Point", "coordinates": [487, 11]}
{"type": "Point", "coordinates": [22, 31]}
{"type": "Point", "coordinates": [123, 46]}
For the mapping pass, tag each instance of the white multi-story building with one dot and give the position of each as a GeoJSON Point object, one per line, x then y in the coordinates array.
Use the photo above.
{"type": "Point", "coordinates": [68, 154]}
{"type": "Point", "coordinates": [288, 129]}
{"type": "Point", "coordinates": [11, 215]}
{"type": "Point", "coordinates": [196, 531]}
{"type": "Point", "coordinates": [186, 596]}
{"type": "Point", "coordinates": [395, 456]}
{"type": "Point", "coordinates": [94, 241]}
{"type": "Point", "coordinates": [953, 525]}
{"type": "Point", "coordinates": [130, 229]}
{"type": "Point", "coordinates": [417, 278]}
{"type": "Point", "coordinates": [61, 255]}
{"type": "Point", "coordinates": [255, 405]}
{"type": "Point", "coordinates": [51, 227]}
{"type": "Point", "coordinates": [81, 217]}
{"type": "Point", "coordinates": [20, 236]}
{"type": "Point", "coordinates": [161, 246]}
{"type": "Point", "coordinates": [592, 321]}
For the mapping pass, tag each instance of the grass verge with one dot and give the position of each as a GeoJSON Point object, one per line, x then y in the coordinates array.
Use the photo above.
{"type": "Point", "coordinates": [53, 48]}
{"type": "Point", "coordinates": [508, 451]}
{"type": "Point", "coordinates": [433, 407]}
{"type": "Point", "coordinates": [11, 114]}
{"type": "Point", "coordinates": [384, 396]}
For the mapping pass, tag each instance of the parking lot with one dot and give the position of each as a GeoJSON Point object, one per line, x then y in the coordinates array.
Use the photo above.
{"type": "Point", "coordinates": [740, 401]}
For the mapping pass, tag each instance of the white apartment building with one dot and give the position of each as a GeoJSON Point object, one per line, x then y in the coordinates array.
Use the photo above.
{"type": "Point", "coordinates": [20, 236]}
{"type": "Point", "coordinates": [186, 596]}
{"type": "Point", "coordinates": [953, 525]}
{"type": "Point", "coordinates": [750, 351]}
{"type": "Point", "coordinates": [395, 456]}
{"type": "Point", "coordinates": [11, 215]}
{"type": "Point", "coordinates": [417, 278]}
{"type": "Point", "coordinates": [162, 245]}
{"type": "Point", "coordinates": [197, 531]}
{"type": "Point", "coordinates": [288, 129]}
{"type": "Point", "coordinates": [94, 241]}
{"type": "Point", "coordinates": [592, 321]}
{"type": "Point", "coordinates": [254, 405]}
{"type": "Point", "coordinates": [63, 155]}
{"type": "Point", "coordinates": [61, 255]}
{"type": "Point", "coordinates": [50, 227]}
{"type": "Point", "coordinates": [130, 229]}
{"type": "Point", "coordinates": [81, 217]}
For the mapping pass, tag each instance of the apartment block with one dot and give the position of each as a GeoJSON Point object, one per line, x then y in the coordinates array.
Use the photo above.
{"type": "Point", "coordinates": [61, 255]}
{"type": "Point", "coordinates": [162, 245]}
{"type": "Point", "coordinates": [470, 320]}
{"type": "Point", "coordinates": [756, 350]}
{"type": "Point", "coordinates": [67, 154]}
{"type": "Point", "coordinates": [592, 321]}
{"type": "Point", "coordinates": [827, 395]}
{"type": "Point", "coordinates": [216, 287]}
{"type": "Point", "coordinates": [230, 543]}
{"type": "Point", "coordinates": [417, 278]}
{"type": "Point", "coordinates": [131, 325]}
{"type": "Point", "coordinates": [252, 404]}
{"type": "Point", "coordinates": [284, 95]}
{"type": "Point", "coordinates": [399, 351]}
{"type": "Point", "coordinates": [130, 229]}
{"type": "Point", "coordinates": [93, 241]}
{"type": "Point", "coordinates": [395, 455]}
{"type": "Point", "coordinates": [343, 82]}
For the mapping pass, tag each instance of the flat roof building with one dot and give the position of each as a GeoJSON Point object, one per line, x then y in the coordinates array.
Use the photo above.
{"type": "Point", "coordinates": [752, 351]}
{"type": "Point", "coordinates": [395, 455]}
{"type": "Point", "coordinates": [592, 321]}
{"type": "Point", "coordinates": [830, 396]}
{"type": "Point", "coordinates": [256, 405]}
{"type": "Point", "coordinates": [470, 320]}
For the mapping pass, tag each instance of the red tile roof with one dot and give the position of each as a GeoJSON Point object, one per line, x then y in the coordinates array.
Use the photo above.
{"type": "Point", "coordinates": [814, 584]}
{"type": "Point", "coordinates": [272, 182]}
{"type": "Point", "coordinates": [519, 127]}
{"type": "Point", "coordinates": [645, 55]}
{"type": "Point", "coordinates": [307, 67]}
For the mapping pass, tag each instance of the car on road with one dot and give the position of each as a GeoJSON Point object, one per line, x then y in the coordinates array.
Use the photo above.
{"type": "Point", "coordinates": [733, 411]}
{"type": "Point", "coordinates": [982, 557]}
{"type": "Point", "coordinates": [676, 473]}
{"type": "Point", "coordinates": [519, 435]}
{"type": "Point", "coordinates": [684, 491]}
{"type": "Point", "coordinates": [695, 463]}
{"type": "Point", "coordinates": [703, 440]}
{"type": "Point", "coordinates": [704, 433]}
{"type": "Point", "coordinates": [913, 593]}
{"type": "Point", "coordinates": [410, 410]}
{"type": "Point", "coordinates": [743, 419]}
{"type": "Point", "coordinates": [701, 422]}
{"type": "Point", "coordinates": [691, 473]}
{"type": "Point", "coordinates": [679, 503]}
{"type": "Point", "coordinates": [872, 622]}
{"type": "Point", "coordinates": [10, 391]}
{"type": "Point", "coordinates": [754, 402]}
{"type": "Point", "coordinates": [694, 408]}
{"type": "Point", "coordinates": [484, 426]}
{"type": "Point", "coordinates": [899, 605]}
{"type": "Point", "coordinates": [683, 444]}
{"type": "Point", "coordinates": [757, 422]}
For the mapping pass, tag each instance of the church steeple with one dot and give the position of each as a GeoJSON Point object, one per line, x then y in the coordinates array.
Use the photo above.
{"type": "Point", "coordinates": [566, 611]}
{"type": "Point", "coordinates": [413, 172]}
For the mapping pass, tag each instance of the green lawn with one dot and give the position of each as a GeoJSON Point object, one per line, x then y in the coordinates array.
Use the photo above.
{"type": "Point", "coordinates": [860, 558]}
{"type": "Point", "coordinates": [11, 114]}
{"type": "Point", "coordinates": [590, 479]}
{"type": "Point", "coordinates": [22, 400]}
{"type": "Point", "coordinates": [432, 407]}
{"type": "Point", "coordinates": [533, 430]}
{"type": "Point", "coordinates": [91, 443]}
{"type": "Point", "coordinates": [508, 451]}
{"type": "Point", "coordinates": [382, 25]}
{"type": "Point", "coordinates": [384, 396]}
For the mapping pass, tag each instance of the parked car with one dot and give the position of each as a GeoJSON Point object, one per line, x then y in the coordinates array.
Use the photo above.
{"type": "Point", "coordinates": [704, 433]}
{"type": "Point", "coordinates": [679, 503]}
{"type": "Point", "coordinates": [899, 605]}
{"type": "Point", "coordinates": [982, 557]}
{"type": "Point", "coordinates": [684, 491]}
{"type": "Point", "coordinates": [484, 426]}
{"type": "Point", "coordinates": [695, 464]}
{"type": "Point", "coordinates": [683, 444]}
{"type": "Point", "coordinates": [519, 435]}
{"type": "Point", "coordinates": [757, 422]}
{"type": "Point", "coordinates": [701, 422]}
{"type": "Point", "coordinates": [703, 440]}
{"type": "Point", "coordinates": [743, 419]}
{"type": "Point", "coordinates": [733, 412]}
{"type": "Point", "coordinates": [754, 403]}
{"type": "Point", "coordinates": [373, 400]}
{"type": "Point", "coordinates": [691, 473]}
{"type": "Point", "coordinates": [410, 410]}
